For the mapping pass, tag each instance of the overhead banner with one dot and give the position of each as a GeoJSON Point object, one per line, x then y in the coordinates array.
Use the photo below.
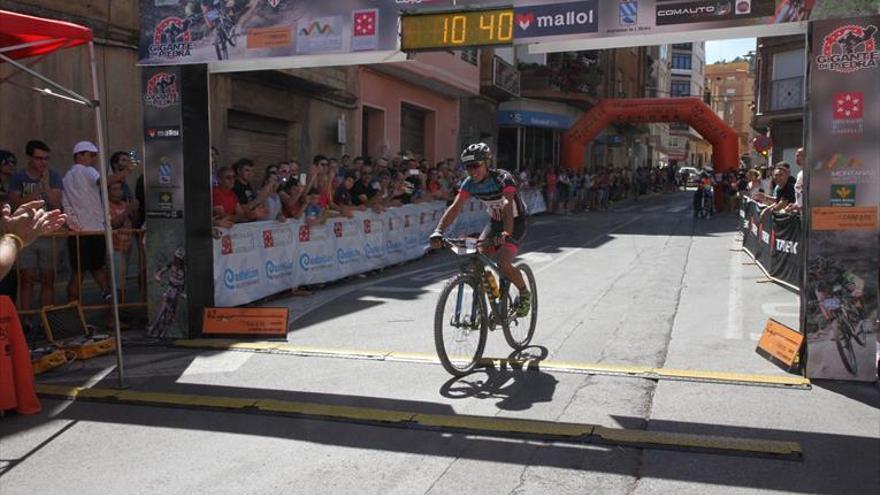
{"type": "Point", "coordinates": [185, 32]}
{"type": "Point", "coordinates": [542, 21]}
{"type": "Point", "coordinates": [844, 193]}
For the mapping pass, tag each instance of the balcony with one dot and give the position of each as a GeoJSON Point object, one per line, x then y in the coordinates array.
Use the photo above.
{"type": "Point", "coordinates": [498, 79]}
{"type": "Point", "coordinates": [573, 80]}
{"type": "Point", "coordinates": [787, 94]}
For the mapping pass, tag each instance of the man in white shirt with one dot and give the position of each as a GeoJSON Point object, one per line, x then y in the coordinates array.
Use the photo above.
{"type": "Point", "coordinates": [85, 212]}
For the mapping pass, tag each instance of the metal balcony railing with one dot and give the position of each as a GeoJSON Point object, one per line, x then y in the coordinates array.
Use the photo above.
{"type": "Point", "coordinates": [787, 93]}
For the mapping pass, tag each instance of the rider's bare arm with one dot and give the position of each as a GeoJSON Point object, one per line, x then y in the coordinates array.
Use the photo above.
{"type": "Point", "coordinates": [507, 211]}
{"type": "Point", "coordinates": [452, 212]}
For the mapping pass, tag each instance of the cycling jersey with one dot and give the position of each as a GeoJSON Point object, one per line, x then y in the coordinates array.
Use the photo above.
{"type": "Point", "coordinates": [491, 192]}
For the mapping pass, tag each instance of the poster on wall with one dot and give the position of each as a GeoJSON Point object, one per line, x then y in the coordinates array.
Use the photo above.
{"type": "Point", "coordinates": [844, 192]}
{"type": "Point", "coordinates": [163, 179]}
{"type": "Point", "coordinates": [193, 31]}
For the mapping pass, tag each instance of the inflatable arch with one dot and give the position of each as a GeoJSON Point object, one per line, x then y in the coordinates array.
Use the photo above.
{"type": "Point", "coordinates": [725, 143]}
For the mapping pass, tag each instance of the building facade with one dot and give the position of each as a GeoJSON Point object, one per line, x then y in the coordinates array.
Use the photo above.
{"type": "Point", "coordinates": [730, 93]}
{"type": "Point", "coordinates": [687, 67]}
{"type": "Point", "coordinates": [780, 91]}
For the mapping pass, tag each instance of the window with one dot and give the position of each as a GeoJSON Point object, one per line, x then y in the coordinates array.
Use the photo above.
{"type": "Point", "coordinates": [681, 61]}
{"type": "Point", "coordinates": [788, 64]}
{"type": "Point", "coordinates": [682, 46]}
{"type": "Point", "coordinates": [730, 92]}
{"type": "Point", "coordinates": [680, 88]}
{"type": "Point", "coordinates": [470, 55]}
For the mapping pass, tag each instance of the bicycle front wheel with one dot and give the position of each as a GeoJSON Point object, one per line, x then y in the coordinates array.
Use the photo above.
{"type": "Point", "coordinates": [519, 331]}
{"type": "Point", "coordinates": [460, 325]}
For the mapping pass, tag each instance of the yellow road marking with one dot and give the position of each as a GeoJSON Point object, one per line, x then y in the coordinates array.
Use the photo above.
{"type": "Point", "coordinates": [476, 425]}
{"type": "Point", "coordinates": [560, 366]}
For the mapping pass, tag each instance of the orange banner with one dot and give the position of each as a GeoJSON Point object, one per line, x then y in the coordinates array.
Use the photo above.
{"type": "Point", "coordinates": [245, 321]}
{"type": "Point", "coordinates": [844, 218]}
{"type": "Point", "coordinates": [780, 343]}
{"type": "Point", "coordinates": [270, 37]}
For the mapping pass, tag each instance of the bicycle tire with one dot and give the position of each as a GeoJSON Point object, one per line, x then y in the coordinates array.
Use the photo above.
{"type": "Point", "coordinates": [855, 331]}
{"type": "Point", "coordinates": [473, 359]}
{"type": "Point", "coordinates": [847, 355]}
{"type": "Point", "coordinates": [512, 340]}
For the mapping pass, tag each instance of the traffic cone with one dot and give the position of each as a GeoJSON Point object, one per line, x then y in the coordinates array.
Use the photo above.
{"type": "Point", "coordinates": [16, 375]}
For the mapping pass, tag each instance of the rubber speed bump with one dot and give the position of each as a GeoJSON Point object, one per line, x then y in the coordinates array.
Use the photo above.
{"type": "Point", "coordinates": [647, 372]}
{"type": "Point", "coordinates": [469, 425]}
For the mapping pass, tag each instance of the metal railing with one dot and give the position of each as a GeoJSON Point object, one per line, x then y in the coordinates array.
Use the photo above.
{"type": "Point", "coordinates": [54, 254]}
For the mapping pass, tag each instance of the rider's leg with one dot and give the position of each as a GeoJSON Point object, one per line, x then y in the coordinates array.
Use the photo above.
{"type": "Point", "coordinates": [505, 256]}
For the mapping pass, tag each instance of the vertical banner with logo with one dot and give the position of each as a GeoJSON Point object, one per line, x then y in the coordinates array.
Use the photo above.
{"type": "Point", "coordinates": [163, 195]}
{"type": "Point", "coordinates": [841, 294]}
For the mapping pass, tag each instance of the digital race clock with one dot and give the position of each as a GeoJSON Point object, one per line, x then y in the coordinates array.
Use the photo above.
{"type": "Point", "coordinates": [456, 29]}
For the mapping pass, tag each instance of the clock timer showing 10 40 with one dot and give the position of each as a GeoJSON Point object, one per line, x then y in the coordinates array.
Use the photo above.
{"type": "Point", "coordinates": [456, 29]}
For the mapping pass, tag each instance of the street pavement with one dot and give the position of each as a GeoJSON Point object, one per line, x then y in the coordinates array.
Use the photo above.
{"type": "Point", "coordinates": [643, 284]}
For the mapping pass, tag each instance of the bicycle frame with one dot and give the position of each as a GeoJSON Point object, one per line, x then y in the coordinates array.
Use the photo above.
{"type": "Point", "coordinates": [476, 265]}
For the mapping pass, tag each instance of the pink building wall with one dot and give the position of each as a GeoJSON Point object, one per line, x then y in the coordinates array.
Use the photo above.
{"type": "Point", "coordinates": [386, 93]}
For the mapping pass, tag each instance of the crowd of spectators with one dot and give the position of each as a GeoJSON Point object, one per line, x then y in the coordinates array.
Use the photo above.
{"type": "Point", "coordinates": [75, 197]}
{"type": "Point", "coordinates": [328, 187]}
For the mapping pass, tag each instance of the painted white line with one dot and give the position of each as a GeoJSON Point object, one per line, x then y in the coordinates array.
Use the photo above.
{"type": "Point", "coordinates": [224, 362]}
{"type": "Point", "coordinates": [734, 298]}
{"type": "Point", "coordinates": [91, 382]}
{"type": "Point", "coordinates": [652, 209]}
{"type": "Point", "coordinates": [578, 249]}
{"type": "Point", "coordinates": [678, 209]}
{"type": "Point", "coordinates": [534, 257]}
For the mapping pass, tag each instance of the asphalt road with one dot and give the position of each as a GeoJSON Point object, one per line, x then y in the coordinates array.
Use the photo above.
{"type": "Point", "coordinates": [644, 284]}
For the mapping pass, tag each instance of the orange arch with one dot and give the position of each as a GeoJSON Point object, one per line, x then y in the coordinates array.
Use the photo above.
{"type": "Point", "coordinates": [725, 144]}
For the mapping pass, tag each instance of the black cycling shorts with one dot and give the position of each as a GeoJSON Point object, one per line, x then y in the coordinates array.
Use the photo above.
{"type": "Point", "coordinates": [495, 227]}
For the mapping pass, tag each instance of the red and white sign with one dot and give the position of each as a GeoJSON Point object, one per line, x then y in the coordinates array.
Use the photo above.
{"type": "Point", "coordinates": [365, 29]}
{"type": "Point", "coordinates": [848, 105]}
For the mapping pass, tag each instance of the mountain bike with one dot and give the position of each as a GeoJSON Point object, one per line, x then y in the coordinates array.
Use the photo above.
{"type": "Point", "coordinates": [850, 325]}
{"type": "Point", "coordinates": [224, 30]}
{"type": "Point", "coordinates": [703, 208]}
{"type": "Point", "coordinates": [472, 303]}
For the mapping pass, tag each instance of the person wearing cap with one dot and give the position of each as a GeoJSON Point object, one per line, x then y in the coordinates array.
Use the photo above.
{"type": "Point", "coordinates": [85, 212]}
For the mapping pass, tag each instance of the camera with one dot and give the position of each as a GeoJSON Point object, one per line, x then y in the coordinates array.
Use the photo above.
{"type": "Point", "coordinates": [134, 157]}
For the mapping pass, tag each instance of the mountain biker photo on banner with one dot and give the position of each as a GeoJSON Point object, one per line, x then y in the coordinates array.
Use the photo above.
{"type": "Point", "coordinates": [841, 319]}
{"type": "Point", "coordinates": [192, 31]}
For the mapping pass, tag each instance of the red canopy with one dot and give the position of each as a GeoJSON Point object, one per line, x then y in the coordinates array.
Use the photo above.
{"type": "Point", "coordinates": [37, 36]}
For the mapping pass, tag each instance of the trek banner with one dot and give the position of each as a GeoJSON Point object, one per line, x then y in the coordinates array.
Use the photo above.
{"type": "Point", "coordinates": [843, 177]}
{"type": "Point", "coordinates": [197, 31]}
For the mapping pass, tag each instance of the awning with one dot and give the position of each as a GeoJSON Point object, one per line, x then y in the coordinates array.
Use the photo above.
{"type": "Point", "coordinates": [23, 36]}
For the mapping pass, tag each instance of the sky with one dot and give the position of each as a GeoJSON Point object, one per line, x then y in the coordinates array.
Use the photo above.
{"type": "Point", "coordinates": [728, 49]}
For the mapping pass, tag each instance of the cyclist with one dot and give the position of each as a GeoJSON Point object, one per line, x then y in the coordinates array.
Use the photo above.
{"type": "Point", "coordinates": [498, 190]}
{"type": "Point", "coordinates": [832, 283]}
{"type": "Point", "coordinates": [705, 188]}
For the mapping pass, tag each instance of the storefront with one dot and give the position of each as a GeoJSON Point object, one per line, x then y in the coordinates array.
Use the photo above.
{"type": "Point", "coordinates": [529, 133]}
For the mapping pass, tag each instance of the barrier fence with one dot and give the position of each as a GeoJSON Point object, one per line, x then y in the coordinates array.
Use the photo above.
{"type": "Point", "coordinates": [774, 241]}
{"type": "Point", "coordinates": [50, 254]}
{"type": "Point", "coordinates": [258, 259]}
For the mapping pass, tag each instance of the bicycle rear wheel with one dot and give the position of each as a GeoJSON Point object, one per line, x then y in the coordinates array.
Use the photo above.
{"type": "Point", "coordinates": [460, 325]}
{"type": "Point", "coordinates": [519, 331]}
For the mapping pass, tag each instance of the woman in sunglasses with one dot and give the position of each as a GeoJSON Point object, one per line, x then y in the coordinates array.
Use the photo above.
{"type": "Point", "coordinates": [499, 192]}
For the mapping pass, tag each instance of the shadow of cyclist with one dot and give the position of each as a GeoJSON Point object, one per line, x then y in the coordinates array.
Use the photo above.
{"type": "Point", "coordinates": [518, 381]}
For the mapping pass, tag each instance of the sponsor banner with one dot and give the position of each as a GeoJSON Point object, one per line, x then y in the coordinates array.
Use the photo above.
{"type": "Point", "coordinates": [544, 21]}
{"type": "Point", "coordinates": [786, 253]}
{"type": "Point", "coordinates": [176, 32]}
{"type": "Point", "coordinates": [840, 317]}
{"type": "Point", "coordinates": [163, 176]}
{"type": "Point", "coordinates": [556, 19]}
{"type": "Point", "coordinates": [775, 242]}
{"type": "Point", "coordinates": [255, 260]}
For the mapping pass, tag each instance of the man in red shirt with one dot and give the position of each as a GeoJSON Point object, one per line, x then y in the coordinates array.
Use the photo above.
{"type": "Point", "coordinates": [227, 209]}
